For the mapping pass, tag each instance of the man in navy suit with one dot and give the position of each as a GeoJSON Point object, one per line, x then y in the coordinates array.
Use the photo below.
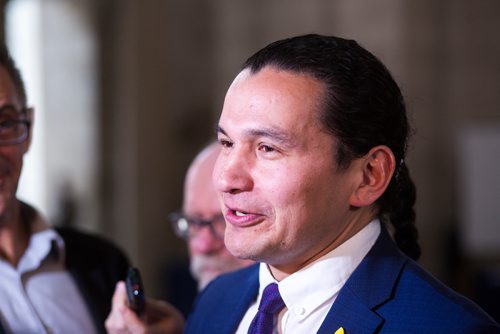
{"type": "Point", "coordinates": [313, 184]}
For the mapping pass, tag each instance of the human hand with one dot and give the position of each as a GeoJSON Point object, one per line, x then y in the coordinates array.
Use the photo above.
{"type": "Point", "coordinates": [158, 317]}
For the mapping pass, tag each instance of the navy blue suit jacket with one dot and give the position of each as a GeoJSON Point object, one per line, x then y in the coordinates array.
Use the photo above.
{"type": "Point", "coordinates": [387, 293]}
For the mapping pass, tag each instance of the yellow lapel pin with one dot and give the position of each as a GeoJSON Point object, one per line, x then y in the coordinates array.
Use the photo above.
{"type": "Point", "coordinates": [339, 331]}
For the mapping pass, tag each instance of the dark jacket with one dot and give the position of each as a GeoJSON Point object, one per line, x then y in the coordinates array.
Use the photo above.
{"type": "Point", "coordinates": [96, 265]}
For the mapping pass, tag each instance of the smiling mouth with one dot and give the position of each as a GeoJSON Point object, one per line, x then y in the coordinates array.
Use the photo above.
{"type": "Point", "coordinates": [242, 218]}
{"type": "Point", "coordinates": [240, 214]}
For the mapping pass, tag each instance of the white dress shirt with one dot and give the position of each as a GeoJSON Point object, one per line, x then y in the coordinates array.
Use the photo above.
{"type": "Point", "coordinates": [310, 292]}
{"type": "Point", "coordinates": [39, 295]}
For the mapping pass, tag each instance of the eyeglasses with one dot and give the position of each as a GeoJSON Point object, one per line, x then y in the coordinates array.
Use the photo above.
{"type": "Point", "coordinates": [187, 227]}
{"type": "Point", "coordinates": [14, 128]}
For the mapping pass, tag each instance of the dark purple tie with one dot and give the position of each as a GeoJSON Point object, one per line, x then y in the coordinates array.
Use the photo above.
{"type": "Point", "coordinates": [270, 304]}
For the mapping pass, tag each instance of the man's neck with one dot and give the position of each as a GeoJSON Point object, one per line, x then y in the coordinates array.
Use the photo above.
{"type": "Point", "coordinates": [363, 217]}
{"type": "Point", "coordinates": [14, 235]}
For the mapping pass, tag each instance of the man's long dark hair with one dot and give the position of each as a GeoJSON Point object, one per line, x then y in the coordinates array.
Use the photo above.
{"type": "Point", "coordinates": [362, 108]}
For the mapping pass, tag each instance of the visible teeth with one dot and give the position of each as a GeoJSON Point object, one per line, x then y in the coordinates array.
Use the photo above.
{"type": "Point", "coordinates": [240, 214]}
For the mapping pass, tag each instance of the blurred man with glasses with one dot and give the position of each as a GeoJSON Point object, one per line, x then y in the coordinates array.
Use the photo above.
{"type": "Point", "coordinates": [202, 225]}
{"type": "Point", "coordinates": [201, 222]}
{"type": "Point", "coordinates": [53, 280]}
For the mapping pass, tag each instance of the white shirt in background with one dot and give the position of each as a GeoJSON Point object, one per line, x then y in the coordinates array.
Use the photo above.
{"type": "Point", "coordinates": [40, 296]}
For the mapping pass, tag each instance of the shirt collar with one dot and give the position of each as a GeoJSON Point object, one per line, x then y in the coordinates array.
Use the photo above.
{"type": "Point", "coordinates": [44, 243]}
{"type": "Point", "coordinates": [310, 287]}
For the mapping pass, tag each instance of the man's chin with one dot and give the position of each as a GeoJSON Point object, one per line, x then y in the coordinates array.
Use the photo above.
{"type": "Point", "coordinates": [244, 254]}
{"type": "Point", "coordinates": [7, 207]}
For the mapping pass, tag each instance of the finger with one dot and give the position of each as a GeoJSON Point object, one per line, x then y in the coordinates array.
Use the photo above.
{"type": "Point", "coordinates": [132, 321]}
{"type": "Point", "coordinates": [115, 322]}
{"type": "Point", "coordinates": [119, 296]}
{"type": "Point", "coordinates": [123, 320]}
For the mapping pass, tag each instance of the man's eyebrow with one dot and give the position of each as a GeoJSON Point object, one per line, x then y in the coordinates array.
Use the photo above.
{"type": "Point", "coordinates": [271, 133]}
{"type": "Point", "coordinates": [11, 109]}
{"type": "Point", "coordinates": [218, 130]}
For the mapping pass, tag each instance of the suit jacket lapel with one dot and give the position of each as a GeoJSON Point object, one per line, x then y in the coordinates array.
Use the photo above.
{"type": "Point", "coordinates": [230, 305]}
{"type": "Point", "coordinates": [239, 306]}
{"type": "Point", "coordinates": [95, 267]}
{"type": "Point", "coordinates": [352, 314]}
{"type": "Point", "coordinates": [370, 285]}
{"type": "Point", "coordinates": [86, 278]}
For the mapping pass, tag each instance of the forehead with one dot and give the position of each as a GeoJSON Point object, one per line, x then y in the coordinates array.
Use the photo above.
{"type": "Point", "coordinates": [8, 93]}
{"type": "Point", "coordinates": [199, 193]}
{"type": "Point", "coordinates": [273, 101]}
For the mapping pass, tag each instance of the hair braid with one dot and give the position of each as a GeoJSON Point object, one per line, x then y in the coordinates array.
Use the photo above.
{"type": "Point", "coordinates": [396, 208]}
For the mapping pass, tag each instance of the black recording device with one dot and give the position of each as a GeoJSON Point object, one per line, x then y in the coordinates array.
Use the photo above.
{"type": "Point", "coordinates": [135, 291]}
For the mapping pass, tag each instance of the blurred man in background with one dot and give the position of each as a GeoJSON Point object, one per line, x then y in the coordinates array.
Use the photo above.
{"type": "Point", "coordinates": [201, 222]}
{"type": "Point", "coordinates": [202, 225]}
{"type": "Point", "coordinates": [53, 281]}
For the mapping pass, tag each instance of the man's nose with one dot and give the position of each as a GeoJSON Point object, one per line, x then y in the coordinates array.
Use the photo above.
{"type": "Point", "coordinates": [232, 172]}
{"type": "Point", "coordinates": [205, 242]}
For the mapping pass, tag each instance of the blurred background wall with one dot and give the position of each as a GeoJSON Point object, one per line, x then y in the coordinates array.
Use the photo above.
{"type": "Point", "coordinates": [128, 91]}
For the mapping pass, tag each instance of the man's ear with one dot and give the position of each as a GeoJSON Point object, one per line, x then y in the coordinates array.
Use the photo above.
{"type": "Point", "coordinates": [377, 168]}
{"type": "Point", "coordinates": [31, 118]}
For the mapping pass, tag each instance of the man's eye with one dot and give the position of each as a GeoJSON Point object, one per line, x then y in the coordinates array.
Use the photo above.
{"type": "Point", "coordinates": [7, 123]}
{"type": "Point", "coordinates": [266, 148]}
{"type": "Point", "coordinates": [225, 143]}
